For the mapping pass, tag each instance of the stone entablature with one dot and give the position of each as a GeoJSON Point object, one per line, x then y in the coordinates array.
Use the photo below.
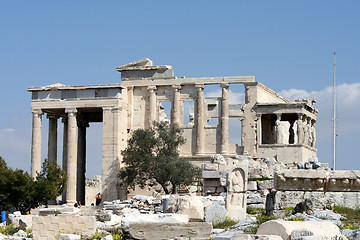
{"type": "Point", "coordinates": [318, 180]}
{"type": "Point", "coordinates": [142, 97]}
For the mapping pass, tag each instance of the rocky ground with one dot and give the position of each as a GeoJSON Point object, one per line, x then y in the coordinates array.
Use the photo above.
{"type": "Point", "coordinates": [116, 215]}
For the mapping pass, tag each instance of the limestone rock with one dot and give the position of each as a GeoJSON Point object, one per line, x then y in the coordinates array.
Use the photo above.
{"type": "Point", "coordinates": [155, 231]}
{"type": "Point", "coordinates": [13, 218]}
{"type": "Point", "coordinates": [215, 213]}
{"type": "Point", "coordinates": [219, 159]}
{"type": "Point", "coordinates": [58, 211]}
{"type": "Point", "coordinates": [351, 234]}
{"type": "Point", "coordinates": [326, 230]}
{"type": "Point", "coordinates": [21, 234]}
{"type": "Point", "coordinates": [25, 222]}
{"type": "Point", "coordinates": [153, 218]}
{"type": "Point", "coordinates": [63, 236]}
{"type": "Point", "coordinates": [107, 237]}
{"type": "Point", "coordinates": [267, 184]}
{"type": "Point", "coordinates": [189, 205]}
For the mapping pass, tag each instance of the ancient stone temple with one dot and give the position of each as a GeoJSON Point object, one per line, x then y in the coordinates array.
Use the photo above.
{"type": "Point", "coordinates": [271, 126]}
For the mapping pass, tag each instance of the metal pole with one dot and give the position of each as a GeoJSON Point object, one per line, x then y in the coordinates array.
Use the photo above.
{"type": "Point", "coordinates": [334, 114]}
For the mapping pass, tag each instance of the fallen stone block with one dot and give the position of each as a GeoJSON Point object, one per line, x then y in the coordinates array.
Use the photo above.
{"type": "Point", "coordinates": [153, 218]}
{"type": "Point", "coordinates": [13, 218]}
{"type": "Point", "coordinates": [192, 206]}
{"type": "Point", "coordinates": [69, 236]}
{"type": "Point", "coordinates": [210, 167]}
{"type": "Point", "coordinates": [240, 236]}
{"type": "Point", "coordinates": [58, 211]}
{"type": "Point", "coordinates": [47, 227]}
{"type": "Point", "coordinates": [154, 231]}
{"type": "Point", "coordinates": [323, 230]}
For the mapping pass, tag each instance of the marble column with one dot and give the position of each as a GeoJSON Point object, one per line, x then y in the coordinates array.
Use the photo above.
{"type": "Point", "coordinates": [64, 158]}
{"type": "Point", "coordinates": [175, 117]}
{"type": "Point", "coordinates": [111, 152]}
{"type": "Point", "coordinates": [225, 119]}
{"type": "Point", "coordinates": [71, 156]}
{"type": "Point", "coordinates": [81, 162]}
{"type": "Point", "coordinates": [200, 120]}
{"type": "Point", "coordinates": [130, 108]}
{"type": "Point", "coordinates": [52, 139]}
{"type": "Point", "coordinates": [36, 143]}
{"type": "Point", "coordinates": [152, 104]}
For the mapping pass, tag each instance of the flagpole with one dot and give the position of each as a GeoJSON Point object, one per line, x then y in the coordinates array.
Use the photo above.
{"type": "Point", "coordinates": [334, 113]}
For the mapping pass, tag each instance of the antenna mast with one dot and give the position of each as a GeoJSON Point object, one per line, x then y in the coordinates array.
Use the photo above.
{"type": "Point", "coordinates": [334, 113]}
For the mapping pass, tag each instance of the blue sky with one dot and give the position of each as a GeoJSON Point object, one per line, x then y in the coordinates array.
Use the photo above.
{"type": "Point", "coordinates": [286, 45]}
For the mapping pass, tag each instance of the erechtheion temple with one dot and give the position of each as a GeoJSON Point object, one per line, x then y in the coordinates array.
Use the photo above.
{"type": "Point", "coordinates": [271, 126]}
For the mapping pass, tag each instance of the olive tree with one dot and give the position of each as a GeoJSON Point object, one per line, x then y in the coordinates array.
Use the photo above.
{"type": "Point", "coordinates": [153, 154]}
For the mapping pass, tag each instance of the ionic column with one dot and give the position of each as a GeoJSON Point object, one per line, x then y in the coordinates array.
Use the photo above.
{"type": "Point", "coordinates": [81, 162]}
{"type": "Point", "coordinates": [36, 143]}
{"type": "Point", "coordinates": [64, 159]}
{"type": "Point", "coordinates": [225, 119]}
{"type": "Point", "coordinates": [152, 104]}
{"type": "Point", "coordinates": [71, 156]}
{"type": "Point", "coordinates": [200, 120]}
{"type": "Point", "coordinates": [52, 140]}
{"type": "Point", "coordinates": [175, 117]}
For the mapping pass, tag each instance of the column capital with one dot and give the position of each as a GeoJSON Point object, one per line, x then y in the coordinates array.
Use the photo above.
{"type": "Point", "coordinates": [52, 116]}
{"type": "Point", "coordinates": [37, 111]}
{"type": "Point", "coordinates": [130, 87]}
{"type": "Point", "coordinates": [107, 108]}
{"type": "Point", "coordinates": [224, 85]}
{"type": "Point", "coordinates": [200, 86]}
{"type": "Point", "coordinates": [151, 88]}
{"type": "Point", "coordinates": [176, 87]}
{"type": "Point", "coordinates": [70, 110]}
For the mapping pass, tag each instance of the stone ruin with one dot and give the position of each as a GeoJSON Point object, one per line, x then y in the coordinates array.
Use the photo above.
{"type": "Point", "coordinates": [271, 126]}
{"type": "Point", "coordinates": [274, 166]}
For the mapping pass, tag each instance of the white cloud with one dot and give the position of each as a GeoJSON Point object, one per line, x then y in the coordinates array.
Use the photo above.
{"type": "Point", "coordinates": [348, 127]}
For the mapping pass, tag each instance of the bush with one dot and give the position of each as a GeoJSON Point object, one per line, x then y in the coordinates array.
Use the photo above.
{"type": "Point", "coordinates": [352, 216]}
{"type": "Point", "coordinates": [225, 224]}
{"type": "Point", "coordinates": [255, 211]}
{"type": "Point", "coordinates": [21, 191]}
{"type": "Point", "coordinates": [9, 230]}
{"type": "Point", "coordinates": [153, 154]}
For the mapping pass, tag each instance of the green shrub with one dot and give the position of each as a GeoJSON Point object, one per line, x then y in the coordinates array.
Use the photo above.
{"type": "Point", "coordinates": [255, 211]}
{"type": "Point", "coordinates": [9, 230]}
{"type": "Point", "coordinates": [352, 217]}
{"type": "Point", "coordinates": [226, 223]}
{"type": "Point", "coordinates": [118, 234]}
{"type": "Point", "coordinates": [289, 211]}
